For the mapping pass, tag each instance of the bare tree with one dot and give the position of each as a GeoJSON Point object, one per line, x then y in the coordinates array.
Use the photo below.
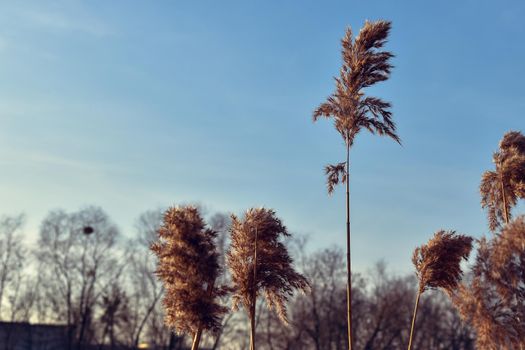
{"type": "Point", "coordinates": [79, 267]}
{"type": "Point", "coordinates": [318, 311]}
{"type": "Point", "coordinates": [259, 262]}
{"type": "Point", "coordinates": [114, 307]}
{"type": "Point", "coordinates": [145, 290]}
{"type": "Point", "coordinates": [12, 255]}
{"type": "Point", "coordinates": [24, 294]}
{"type": "Point", "coordinates": [364, 64]}
{"type": "Point", "coordinates": [382, 304]}
{"type": "Point", "coordinates": [188, 266]}
{"type": "Point", "coordinates": [220, 223]}
{"type": "Point", "coordinates": [386, 312]}
{"type": "Point", "coordinates": [14, 286]}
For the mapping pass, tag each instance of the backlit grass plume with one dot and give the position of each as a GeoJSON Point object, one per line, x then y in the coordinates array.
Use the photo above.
{"type": "Point", "coordinates": [493, 302]}
{"type": "Point", "coordinates": [259, 263]}
{"type": "Point", "coordinates": [365, 63]}
{"type": "Point", "coordinates": [437, 265]}
{"type": "Point", "coordinates": [501, 188]}
{"type": "Point", "coordinates": [188, 267]}
{"type": "Point", "coordinates": [334, 174]}
{"type": "Point", "coordinates": [513, 140]}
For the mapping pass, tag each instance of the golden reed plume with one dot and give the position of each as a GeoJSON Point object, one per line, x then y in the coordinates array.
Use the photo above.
{"type": "Point", "coordinates": [493, 300]}
{"type": "Point", "coordinates": [188, 267]}
{"type": "Point", "coordinates": [501, 188]}
{"type": "Point", "coordinates": [365, 63]}
{"type": "Point", "coordinates": [260, 263]}
{"type": "Point", "coordinates": [437, 265]}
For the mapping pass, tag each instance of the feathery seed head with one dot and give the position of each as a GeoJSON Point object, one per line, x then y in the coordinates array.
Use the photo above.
{"type": "Point", "coordinates": [492, 301]}
{"type": "Point", "coordinates": [334, 174]}
{"type": "Point", "coordinates": [364, 64]}
{"type": "Point", "coordinates": [502, 188]}
{"type": "Point", "coordinates": [256, 245]}
{"type": "Point", "coordinates": [188, 267]}
{"type": "Point", "coordinates": [437, 263]}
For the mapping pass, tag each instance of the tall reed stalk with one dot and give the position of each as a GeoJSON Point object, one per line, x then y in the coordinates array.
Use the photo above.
{"type": "Point", "coordinates": [365, 63]}
{"type": "Point", "coordinates": [437, 265]}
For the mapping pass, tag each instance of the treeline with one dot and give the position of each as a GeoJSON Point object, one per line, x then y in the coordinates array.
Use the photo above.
{"type": "Point", "coordinates": [103, 286]}
{"type": "Point", "coordinates": [112, 291]}
{"type": "Point", "coordinates": [95, 281]}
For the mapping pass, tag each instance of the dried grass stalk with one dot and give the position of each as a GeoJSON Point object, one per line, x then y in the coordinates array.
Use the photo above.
{"type": "Point", "coordinates": [365, 63]}
{"type": "Point", "coordinates": [188, 267]}
{"type": "Point", "coordinates": [501, 188]}
{"type": "Point", "coordinates": [334, 174]}
{"type": "Point", "coordinates": [437, 265]}
{"type": "Point", "coordinates": [493, 302]}
{"type": "Point", "coordinates": [260, 264]}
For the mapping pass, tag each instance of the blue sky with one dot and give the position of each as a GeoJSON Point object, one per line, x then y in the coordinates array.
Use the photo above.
{"type": "Point", "coordinates": [138, 105]}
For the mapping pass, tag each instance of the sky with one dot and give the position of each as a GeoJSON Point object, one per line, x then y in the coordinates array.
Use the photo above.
{"type": "Point", "coordinates": [138, 105]}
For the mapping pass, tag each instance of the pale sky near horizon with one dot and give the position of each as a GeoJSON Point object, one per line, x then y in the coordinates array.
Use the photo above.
{"type": "Point", "coordinates": [135, 105]}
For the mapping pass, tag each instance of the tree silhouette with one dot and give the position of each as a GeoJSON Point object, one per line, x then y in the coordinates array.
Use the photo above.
{"type": "Point", "coordinates": [259, 263]}
{"type": "Point", "coordinates": [188, 266]}
{"type": "Point", "coordinates": [501, 188]}
{"type": "Point", "coordinates": [147, 290]}
{"type": "Point", "coordinates": [12, 253]}
{"type": "Point", "coordinates": [77, 268]}
{"type": "Point", "coordinates": [114, 303]}
{"type": "Point", "coordinates": [437, 265]}
{"type": "Point", "coordinates": [364, 64]}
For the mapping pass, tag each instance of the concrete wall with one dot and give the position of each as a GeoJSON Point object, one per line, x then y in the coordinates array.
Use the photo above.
{"type": "Point", "coordinates": [25, 336]}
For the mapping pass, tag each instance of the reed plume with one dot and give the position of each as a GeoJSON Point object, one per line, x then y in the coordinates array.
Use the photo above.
{"type": "Point", "coordinates": [188, 267]}
{"type": "Point", "coordinates": [259, 263]}
{"type": "Point", "coordinates": [365, 63]}
{"type": "Point", "coordinates": [502, 188]}
{"type": "Point", "coordinates": [493, 302]}
{"type": "Point", "coordinates": [513, 140]}
{"type": "Point", "coordinates": [334, 174]}
{"type": "Point", "coordinates": [437, 265]}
